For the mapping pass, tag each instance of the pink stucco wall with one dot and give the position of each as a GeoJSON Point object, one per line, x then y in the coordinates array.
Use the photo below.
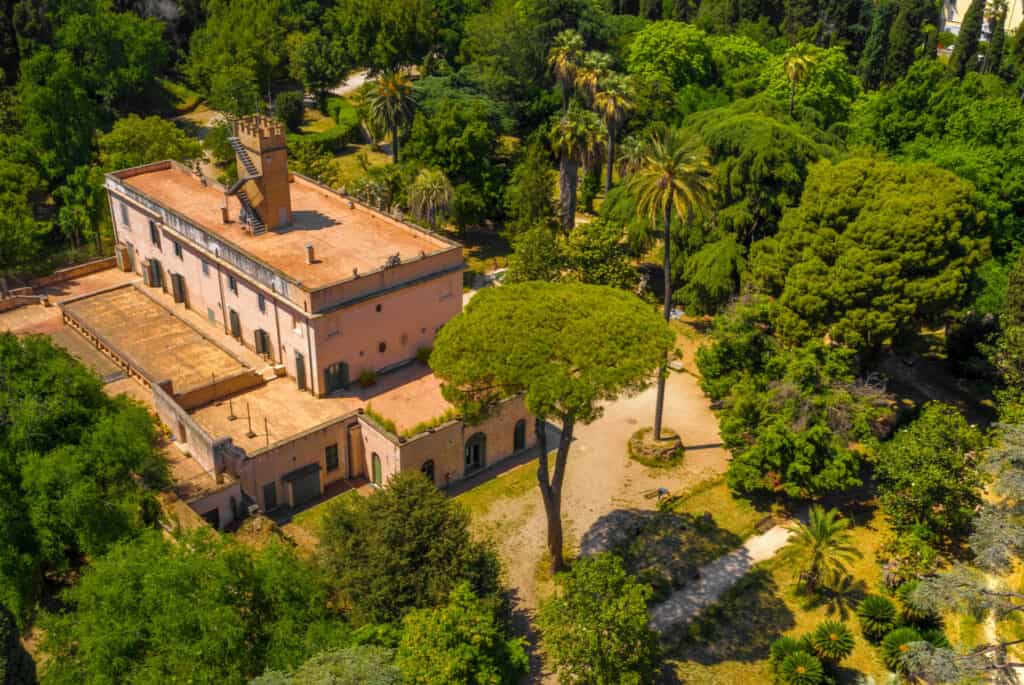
{"type": "Point", "coordinates": [408, 318]}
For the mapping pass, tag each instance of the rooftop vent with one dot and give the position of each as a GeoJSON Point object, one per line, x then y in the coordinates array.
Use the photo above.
{"type": "Point", "coordinates": [310, 255]}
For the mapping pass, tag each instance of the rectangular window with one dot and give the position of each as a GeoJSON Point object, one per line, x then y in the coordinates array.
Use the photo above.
{"type": "Point", "coordinates": [178, 252]}
{"type": "Point", "coordinates": [331, 456]}
{"type": "Point", "coordinates": [232, 284]}
{"type": "Point", "coordinates": [262, 301]}
{"type": "Point", "coordinates": [124, 216]}
{"type": "Point", "coordinates": [154, 233]}
{"type": "Point", "coordinates": [206, 268]}
{"type": "Point", "coordinates": [210, 315]}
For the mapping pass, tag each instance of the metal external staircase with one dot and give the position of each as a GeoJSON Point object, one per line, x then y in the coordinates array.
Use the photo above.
{"type": "Point", "coordinates": [249, 214]}
{"type": "Point", "coordinates": [236, 145]}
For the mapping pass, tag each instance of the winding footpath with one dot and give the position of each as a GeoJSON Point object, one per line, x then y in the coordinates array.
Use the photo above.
{"type": "Point", "coordinates": [717, 577]}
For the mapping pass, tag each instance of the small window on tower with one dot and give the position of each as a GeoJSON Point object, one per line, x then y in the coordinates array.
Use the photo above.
{"type": "Point", "coordinates": [206, 268]}
{"type": "Point", "coordinates": [382, 347]}
{"type": "Point", "coordinates": [262, 301]}
{"type": "Point", "coordinates": [124, 216]}
{"type": "Point", "coordinates": [379, 307]}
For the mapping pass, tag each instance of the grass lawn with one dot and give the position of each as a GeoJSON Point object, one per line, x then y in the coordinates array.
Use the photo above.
{"type": "Point", "coordinates": [513, 483]}
{"type": "Point", "coordinates": [729, 643]}
{"type": "Point", "coordinates": [735, 515]}
{"type": "Point", "coordinates": [484, 251]}
{"type": "Point", "coordinates": [347, 163]}
{"type": "Point", "coordinates": [311, 518]}
{"type": "Point", "coordinates": [316, 122]}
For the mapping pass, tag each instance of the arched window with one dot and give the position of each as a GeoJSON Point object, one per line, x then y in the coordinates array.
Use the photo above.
{"type": "Point", "coordinates": [519, 436]}
{"type": "Point", "coordinates": [377, 479]}
{"type": "Point", "coordinates": [428, 469]}
{"type": "Point", "coordinates": [476, 452]}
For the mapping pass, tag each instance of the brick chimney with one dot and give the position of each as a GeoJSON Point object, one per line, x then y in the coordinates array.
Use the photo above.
{"type": "Point", "coordinates": [262, 139]}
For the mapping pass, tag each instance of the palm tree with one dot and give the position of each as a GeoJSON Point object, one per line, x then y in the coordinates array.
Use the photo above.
{"type": "Point", "coordinates": [826, 545]}
{"type": "Point", "coordinates": [630, 155]}
{"type": "Point", "coordinates": [430, 195]}
{"type": "Point", "coordinates": [593, 69]}
{"type": "Point", "coordinates": [391, 106]}
{"type": "Point", "coordinates": [797, 62]}
{"type": "Point", "coordinates": [577, 138]}
{"type": "Point", "coordinates": [564, 58]}
{"type": "Point", "coordinates": [674, 175]}
{"type": "Point", "coordinates": [613, 100]}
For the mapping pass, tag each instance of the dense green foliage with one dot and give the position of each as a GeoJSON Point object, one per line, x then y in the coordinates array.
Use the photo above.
{"type": "Point", "coordinates": [824, 547]}
{"type": "Point", "coordinates": [595, 627]}
{"type": "Point", "coordinates": [198, 609]}
{"type": "Point", "coordinates": [360, 665]}
{"type": "Point", "coordinates": [404, 547]}
{"type": "Point", "coordinates": [874, 248]}
{"type": "Point", "coordinates": [77, 467]}
{"type": "Point", "coordinates": [928, 473]}
{"type": "Point", "coordinates": [460, 642]}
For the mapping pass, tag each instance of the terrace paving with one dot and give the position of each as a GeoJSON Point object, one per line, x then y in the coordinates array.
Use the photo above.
{"type": "Point", "coordinates": [152, 339]}
{"type": "Point", "coordinates": [407, 396]}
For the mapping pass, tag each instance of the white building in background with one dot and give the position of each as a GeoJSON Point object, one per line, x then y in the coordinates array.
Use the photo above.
{"type": "Point", "coordinates": [953, 12]}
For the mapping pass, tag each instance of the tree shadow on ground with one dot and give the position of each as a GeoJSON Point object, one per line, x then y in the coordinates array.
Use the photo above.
{"type": "Point", "coordinates": [521, 622]}
{"type": "Point", "coordinates": [663, 548]}
{"type": "Point", "coordinates": [740, 627]}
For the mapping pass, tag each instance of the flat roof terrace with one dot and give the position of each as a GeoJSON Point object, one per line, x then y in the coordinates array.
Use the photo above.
{"type": "Point", "coordinates": [343, 239]}
{"type": "Point", "coordinates": [407, 396]}
{"type": "Point", "coordinates": [150, 338]}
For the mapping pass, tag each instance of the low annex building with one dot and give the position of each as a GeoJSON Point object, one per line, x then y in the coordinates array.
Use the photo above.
{"type": "Point", "coordinates": [260, 307]}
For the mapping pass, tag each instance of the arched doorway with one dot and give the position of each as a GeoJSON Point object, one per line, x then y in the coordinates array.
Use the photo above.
{"type": "Point", "coordinates": [476, 452]}
{"type": "Point", "coordinates": [519, 436]}
{"type": "Point", "coordinates": [377, 480]}
{"type": "Point", "coordinates": [428, 469]}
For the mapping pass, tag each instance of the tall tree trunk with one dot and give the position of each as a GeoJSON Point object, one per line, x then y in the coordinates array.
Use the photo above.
{"type": "Point", "coordinates": [792, 96]}
{"type": "Point", "coordinates": [660, 404]}
{"type": "Point", "coordinates": [394, 145]}
{"type": "Point", "coordinates": [567, 191]}
{"type": "Point", "coordinates": [551, 485]}
{"type": "Point", "coordinates": [611, 161]}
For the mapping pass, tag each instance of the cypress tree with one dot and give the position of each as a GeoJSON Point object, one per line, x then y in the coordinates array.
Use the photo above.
{"type": "Point", "coordinates": [997, 43]}
{"type": "Point", "coordinates": [965, 52]}
{"type": "Point", "coordinates": [904, 37]}
{"type": "Point", "coordinates": [800, 16]}
{"type": "Point", "coordinates": [872, 60]}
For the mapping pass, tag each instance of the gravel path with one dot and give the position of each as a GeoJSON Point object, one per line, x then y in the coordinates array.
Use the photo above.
{"type": "Point", "coordinates": [717, 577]}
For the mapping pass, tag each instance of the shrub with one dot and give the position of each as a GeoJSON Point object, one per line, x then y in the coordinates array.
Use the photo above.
{"type": "Point", "coordinates": [936, 638]}
{"type": "Point", "coordinates": [832, 641]}
{"type": "Point", "coordinates": [895, 645]}
{"type": "Point", "coordinates": [367, 377]}
{"type": "Point", "coordinates": [783, 647]}
{"type": "Point", "coordinates": [800, 668]}
{"type": "Point", "coordinates": [423, 353]}
{"type": "Point", "coordinates": [385, 423]}
{"type": "Point", "coordinates": [877, 616]}
{"type": "Point", "coordinates": [290, 108]}
{"type": "Point", "coordinates": [908, 611]}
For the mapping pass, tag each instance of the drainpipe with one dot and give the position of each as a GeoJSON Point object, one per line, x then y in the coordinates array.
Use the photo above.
{"type": "Point", "coordinates": [313, 380]}
{"type": "Point", "coordinates": [220, 287]}
{"type": "Point", "coordinates": [277, 327]}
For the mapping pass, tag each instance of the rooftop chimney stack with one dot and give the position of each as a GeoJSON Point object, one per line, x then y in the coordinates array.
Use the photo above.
{"type": "Point", "coordinates": [263, 143]}
{"type": "Point", "coordinates": [310, 255]}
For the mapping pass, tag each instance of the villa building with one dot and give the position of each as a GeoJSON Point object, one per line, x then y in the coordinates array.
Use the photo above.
{"type": "Point", "coordinates": [260, 308]}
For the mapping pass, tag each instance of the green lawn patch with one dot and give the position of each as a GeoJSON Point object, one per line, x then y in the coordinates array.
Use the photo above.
{"type": "Point", "coordinates": [348, 165]}
{"type": "Point", "coordinates": [182, 98]}
{"type": "Point", "coordinates": [733, 514]}
{"type": "Point", "coordinates": [311, 519]}
{"type": "Point", "coordinates": [513, 483]}
{"type": "Point", "coordinates": [729, 642]}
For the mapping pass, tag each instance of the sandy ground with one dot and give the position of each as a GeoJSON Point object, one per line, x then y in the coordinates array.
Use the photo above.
{"type": "Point", "coordinates": [600, 478]}
{"type": "Point", "coordinates": [351, 83]}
